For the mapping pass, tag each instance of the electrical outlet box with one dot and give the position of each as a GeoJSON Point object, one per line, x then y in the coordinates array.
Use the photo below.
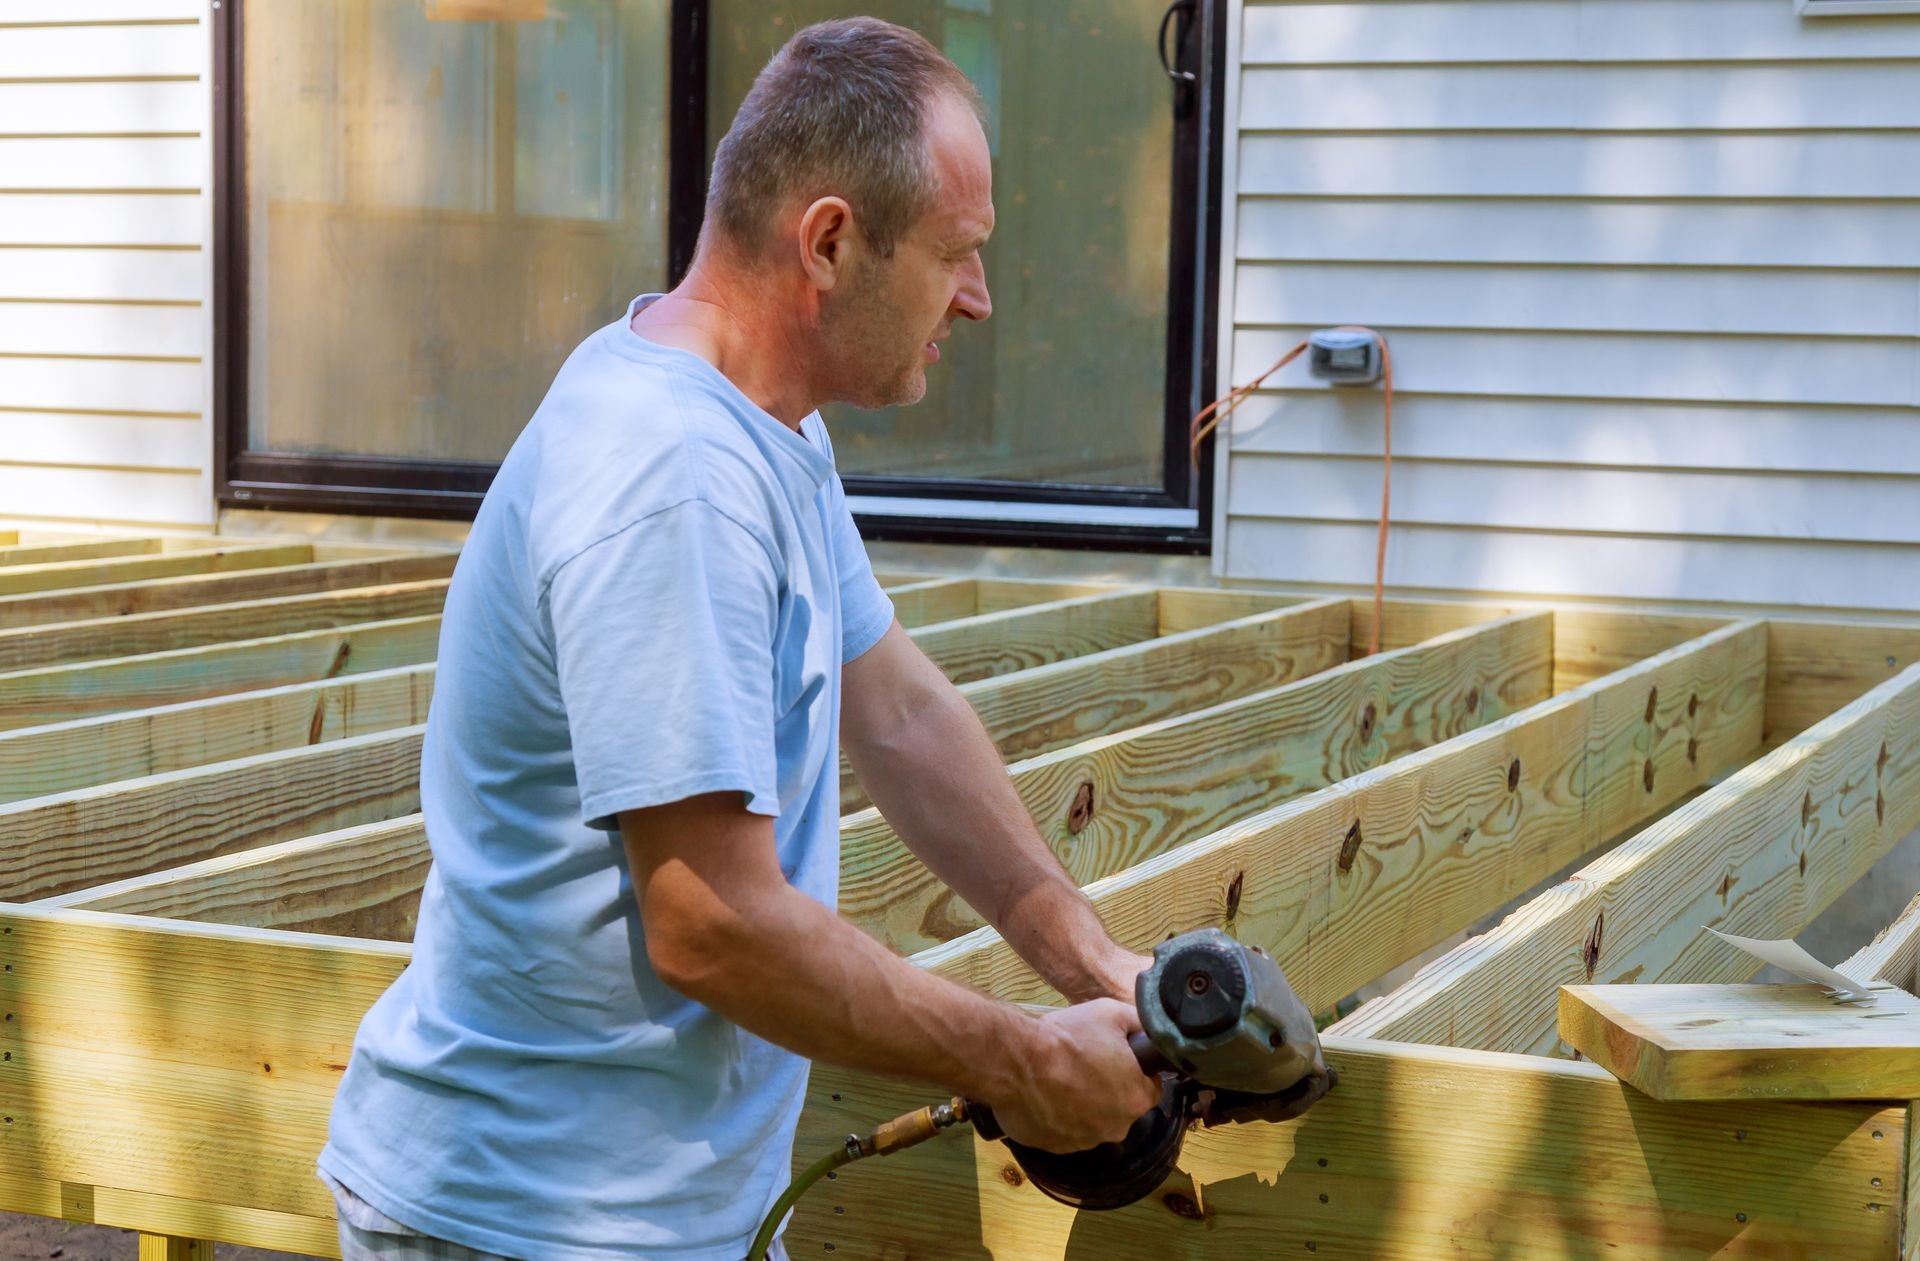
{"type": "Point", "coordinates": [1343, 356]}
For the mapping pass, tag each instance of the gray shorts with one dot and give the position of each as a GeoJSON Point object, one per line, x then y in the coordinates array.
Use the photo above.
{"type": "Point", "coordinates": [366, 1234]}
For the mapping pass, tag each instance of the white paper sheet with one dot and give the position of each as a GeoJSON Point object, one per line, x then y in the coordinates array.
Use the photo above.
{"type": "Point", "coordinates": [1792, 957]}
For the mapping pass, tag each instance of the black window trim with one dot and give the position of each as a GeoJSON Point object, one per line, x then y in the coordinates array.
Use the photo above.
{"type": "Point", "coordinates": [378, 485]}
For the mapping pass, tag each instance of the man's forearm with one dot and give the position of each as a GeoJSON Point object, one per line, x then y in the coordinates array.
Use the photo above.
{"type": "Point", "coordinates": [940, 782]}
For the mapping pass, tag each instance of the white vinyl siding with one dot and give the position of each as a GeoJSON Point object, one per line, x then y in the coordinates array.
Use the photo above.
{"type": "Point", "coordinates": [1651, 272]}
{"type": "Point", "coordinates": [105, 275]}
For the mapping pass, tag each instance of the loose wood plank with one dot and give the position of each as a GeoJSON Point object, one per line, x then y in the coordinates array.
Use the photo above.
{"type": "Point", "coordinates": [361, 881]}
{"type": "Point", "coordinates": [35, 761]}
{"type": "Point", "coordinates": [1717, 1042]}
{"type": "Point", "coordinates": [54, 575]}
{"type": "Point", "coordinates": [1018, 639]}
{"type": "Point", "coordinates": [120, 599]}
{"type": "Point", "coordinates": [1107, 804]}
{"type": "Point", "coordinates": [1893, 954]}
{"type": "Point", "coordinates": [1052, 706]}
{"type": "Point", "coordinates": [1421, 1152]}
{"type": "Point", "coordinates": [1758, 855]}
{"type": "Point", "coordinates": [60, 693]}
{"type": "Point", "coordinates": [1348, 882]}
{"type": "Point", "coordinates": [59, 643]}
{"type": "Point", "coordinates": [96, 835]}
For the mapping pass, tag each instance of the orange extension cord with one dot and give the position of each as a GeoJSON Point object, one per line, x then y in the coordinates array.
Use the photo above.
{"type": "Point", "coordinates": [1210, 417]}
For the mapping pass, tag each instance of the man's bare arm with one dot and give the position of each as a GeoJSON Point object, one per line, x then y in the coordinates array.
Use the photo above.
{"type": "Point", "coordinates": [928, 764]}
{"type": "Point", "coordinates": [723, 927]}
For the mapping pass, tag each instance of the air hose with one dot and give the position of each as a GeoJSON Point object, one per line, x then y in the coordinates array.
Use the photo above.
{"type": "Point", "coordinates": [902, 1132]}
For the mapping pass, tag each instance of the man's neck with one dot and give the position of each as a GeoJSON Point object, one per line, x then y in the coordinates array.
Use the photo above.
{"type": "Point", "coordinates": [708, 315]}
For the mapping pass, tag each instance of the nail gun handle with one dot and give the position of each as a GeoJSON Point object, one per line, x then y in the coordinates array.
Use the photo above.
{"type": "Point", "coordinates": [1148, 1056]}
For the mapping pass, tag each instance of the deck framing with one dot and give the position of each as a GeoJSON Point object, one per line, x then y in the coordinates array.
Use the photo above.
{"type": "Point", "coordinates": [206, 779]}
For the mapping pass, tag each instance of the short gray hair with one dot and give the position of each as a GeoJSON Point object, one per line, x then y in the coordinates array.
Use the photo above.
{"type": "Point", "coordinates": [840, 110]}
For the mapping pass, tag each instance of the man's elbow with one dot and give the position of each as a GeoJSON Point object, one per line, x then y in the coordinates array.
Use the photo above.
{"type": "Point", "coordinates": [694, 949]}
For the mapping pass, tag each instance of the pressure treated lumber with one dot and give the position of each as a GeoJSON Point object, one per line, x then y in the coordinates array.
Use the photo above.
{"type": "Point", "coordinates": [1107, 804]}
{"type": "Point", "coordinates": [198, 1062]}
{"type": "Point", "coordinates": [52, 575]}
{"type": "Point", "coordinates": [949, 599]}
{"type": "Point", "coordinates": [1420, 1153]}
{"type": "Point", "coordinates": [173, 1248]}
{"type": "Point", "coordinates": [360, 881]}
{"type": "Point", "coordinates": [1348, 882]}
{"type": "Point", "coordinates": [80, 753]}
{"type": "Point", "coordinates": [116, 831]}
{"type": "Point", "coordinates": [1814, 668]}
{"type": "Point", "coordinates": [1052, 706]}
{"type": "Point", "coordinates": [133, 1210]}
{"type": "Point", "coordinates": [1717, 1042]}
{"type": "Point", "coordinates": [1892, 955]}
{"type": "Point", "coordinates": [77, 548]}
{"type": "Point", "coordinates": [120, 599]}
{"type": "Point", "coordinates": [59, 643]}
{"type": "Point", "coordinates": [61, 693]}
{"type": "Point", "coordinates": [1759, 855]}
{"type": "Point", "coordinates": [1017, 639]}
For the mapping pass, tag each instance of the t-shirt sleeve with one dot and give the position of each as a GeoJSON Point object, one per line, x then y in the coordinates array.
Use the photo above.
{"type": "Point", "coordinates": [663, 639]}
{"type": "Point", "coordinates": [865, 610]}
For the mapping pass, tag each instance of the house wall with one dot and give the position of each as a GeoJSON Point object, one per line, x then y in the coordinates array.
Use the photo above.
{"type": "Point", "coordinates": [105, 154]}
{"type": "Point", "coordinates": [1651, 274]}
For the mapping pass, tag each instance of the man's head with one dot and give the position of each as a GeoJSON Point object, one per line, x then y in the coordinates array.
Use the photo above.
{"type": "Point", "coordinates": [857, 178]}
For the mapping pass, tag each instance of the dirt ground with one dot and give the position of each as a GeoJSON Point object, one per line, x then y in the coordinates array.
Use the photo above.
{"type": "Point", "coordinates": [37, 1238]}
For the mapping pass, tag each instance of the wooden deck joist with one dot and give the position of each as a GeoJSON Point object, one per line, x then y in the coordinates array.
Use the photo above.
{"type": "Point", "coordinates": [51, 694]}
{"type": "Point", "coordinates": [131, 744]}
{"type": "Point", "coordinates": [93, 572]}
{"type": "Point", "coordinates": [1107, 804]}
{"type": "Point", "coordinates": [949, 599]}
{"type": "Point", "coordinates": [80, 547]}
{"type": "Point", "coordinates": [1758, 855]}
{"type": "Point", "coordinates": [329, 573]}
{"type": "Point", "coordinates": [1346, 883]}
{"type": "Point", "coordinates": [93, 836]}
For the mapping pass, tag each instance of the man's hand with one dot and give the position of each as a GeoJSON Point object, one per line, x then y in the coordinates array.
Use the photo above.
{"type": "Point", "coordinates": [1084, 1086]}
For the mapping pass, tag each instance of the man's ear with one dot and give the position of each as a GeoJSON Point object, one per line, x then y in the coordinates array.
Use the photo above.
{"type": "Point", "coordinates": [826, 235]}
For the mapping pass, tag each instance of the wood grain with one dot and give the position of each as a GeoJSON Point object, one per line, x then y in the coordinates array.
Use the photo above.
{"type": "Point", "coordinates": [96, 835]}
{"type": "Point", "coordinates": [81, 549]}
{"type": "Point", "coordinates": [1894, 953]}
{"type": "Point", "coordinates": [1017, 639]}
{"type": "Point", "coordinates": [1348, 882]}
{"type": "Point", "coordinates": [1759, 854]}
{"type": "Point", "coordinates": [1717, 1042]}
{"type": "Point", "coordinates": [1814, 668]}
{"type": "Point", "coordinates": [360, 881]}
{"type": "Point", "coordinates": [1052, 706]}
{"type": "Point", "coordinates": [53, 575]}
{"type": "Point", "coordinates": [133, 1210]}
{"type": "Point", "coordinates": [59, 643]}
{"type": "Point", "coordinates": [120, 599]}
{"type": "Point", "coordinates": [53, 694]}
{"type": "Point", "coordinates": [1420, 1153]}
{"type": "Point", "coordinates": [83, 752]}
{"type": "Point", "coordinates": [1106, 804]}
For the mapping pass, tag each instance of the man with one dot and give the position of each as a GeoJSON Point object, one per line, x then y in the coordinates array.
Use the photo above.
{"type": "Point", "coordinates": [626, 950]}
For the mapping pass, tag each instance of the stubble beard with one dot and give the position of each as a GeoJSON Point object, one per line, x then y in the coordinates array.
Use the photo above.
{"type": "Point", "coordinates": [863, 328]}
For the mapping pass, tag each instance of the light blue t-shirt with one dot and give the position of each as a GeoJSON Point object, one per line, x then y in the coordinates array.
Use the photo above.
{"type": "Point", "coordinates": [655, 601]}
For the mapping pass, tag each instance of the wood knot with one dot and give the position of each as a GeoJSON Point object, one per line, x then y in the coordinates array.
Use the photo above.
{"type": "Point", "coordinates": [1806, 809]}
{"type": "Point", "coordinates": [1590, 953]}
{"type": "Point", "coordinates": [340, 658]}
{"type": "Point", "coordinates": [1183, 1206]}
{"type": "Point", "coordinates": [1368, 717]}
{"type": "Point", "coordinates": [1653, 699]}
{"type": "Point", "coordinates": [1080, 810]}
{"type": "Point", "coordinates": [1726, 885]}
{"type": "Point", "coordinates": [1233, 894]}
{"type": "Point", "coordinates": [1473, 699]}
{"type": "Point", "coordinates": [1011, 1175]}
{"type": "Point", "coordinates": [1879, 807]}
{"type": "Point", "coordinates": [1350, 848]}
{"type": "Point", "coordinates": [1646, 775]}
{"type": "Point", "coordinates": [1693, 704]}
{"type": "Point", "coordinates": [1513, 775]}
{"type": "Point", "coordinates": [1803, 864]}
{"type": "Point", "coordinates": [1693, 752]}
{"type": "Point", "coordinates": [1880, 764]}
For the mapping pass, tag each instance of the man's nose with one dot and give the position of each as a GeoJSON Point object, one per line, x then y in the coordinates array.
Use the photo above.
{"type": "Point", "coordinates": [971, 300]}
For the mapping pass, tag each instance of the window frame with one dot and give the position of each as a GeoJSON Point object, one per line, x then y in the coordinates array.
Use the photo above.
{"type": "Point", "coordinates": [1176, 516]}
